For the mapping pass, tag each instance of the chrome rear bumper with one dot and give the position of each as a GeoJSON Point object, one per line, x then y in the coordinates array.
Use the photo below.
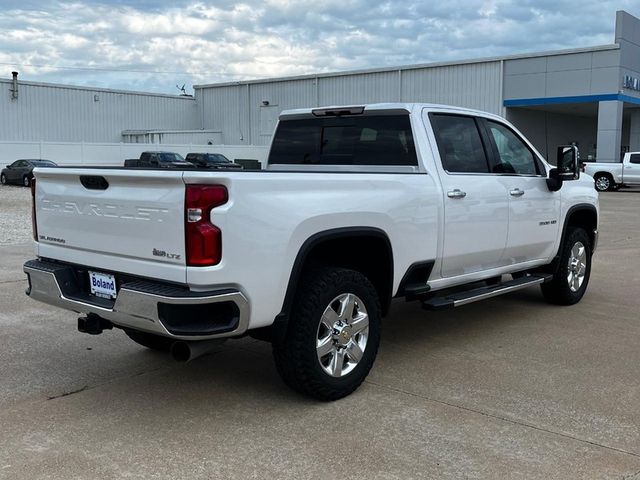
{"type": "Point", "coordinates": [141, 305]}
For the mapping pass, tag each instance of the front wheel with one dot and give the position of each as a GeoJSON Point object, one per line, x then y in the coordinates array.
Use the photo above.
{"type": "Point", "coordinates": [603, 182]}
{"type": "Point", "coordinates": [333, 334]}
{"type": "Point", "coordinates": [571, 278]}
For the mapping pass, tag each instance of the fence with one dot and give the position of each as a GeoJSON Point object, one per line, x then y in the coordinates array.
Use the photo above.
{"type": "Point", "coordinates": [66, 153]}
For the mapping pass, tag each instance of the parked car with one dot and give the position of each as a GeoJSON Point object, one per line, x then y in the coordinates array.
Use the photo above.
{"type": "Point", "coordinates": [211, 160]}
{"type": "Point", "coordinates": [358, 205]}
{"type": "Point", "coordinates": [612, 176]}
{"type": "Point", "coordinates": [158, 160]}
{"type": "Point", "coordinates": [21, 171]}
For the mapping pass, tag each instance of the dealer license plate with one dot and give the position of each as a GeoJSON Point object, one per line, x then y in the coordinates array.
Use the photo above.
{"type": "Point", "coordinates": [102, 284]}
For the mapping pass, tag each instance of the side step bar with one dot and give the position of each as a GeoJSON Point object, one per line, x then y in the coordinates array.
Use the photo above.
{"type": "Point", "coordinates": [469, 296]}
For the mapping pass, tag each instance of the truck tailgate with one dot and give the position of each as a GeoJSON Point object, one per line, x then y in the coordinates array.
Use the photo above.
{"type": "Point", "coordinates": [113, 219]}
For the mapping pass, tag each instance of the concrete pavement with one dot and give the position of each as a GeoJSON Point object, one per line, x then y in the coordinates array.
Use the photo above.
{"type": "Point", "coordinates": [506, 388]}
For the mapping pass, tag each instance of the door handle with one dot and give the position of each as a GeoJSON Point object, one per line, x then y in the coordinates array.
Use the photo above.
{"type": "Point", "coordinates": [457, 193]}
{"type": "Point", "coordinates": [516, 192]}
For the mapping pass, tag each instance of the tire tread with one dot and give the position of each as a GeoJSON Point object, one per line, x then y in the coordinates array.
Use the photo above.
{"type": "Point", "coordinates": [296, 364]}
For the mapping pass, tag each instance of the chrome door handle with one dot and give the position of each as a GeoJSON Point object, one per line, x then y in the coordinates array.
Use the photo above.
{"type": "Point", "coordinates": [457, 193]}
{"type": "Point", "coordinates": [516, 192]}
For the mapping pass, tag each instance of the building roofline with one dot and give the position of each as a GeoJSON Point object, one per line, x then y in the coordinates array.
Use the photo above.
{"type": "Point", "coordinates": [313, 76]}
{"type": "Point", "coordinates": [94, 89]}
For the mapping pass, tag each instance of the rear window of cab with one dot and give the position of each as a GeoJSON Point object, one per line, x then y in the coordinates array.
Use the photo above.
{"type": "Point", "coordinates": [348, 140]}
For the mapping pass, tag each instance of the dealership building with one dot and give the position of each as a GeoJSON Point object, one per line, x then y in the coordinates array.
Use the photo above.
{"type": "Point", "coordinates": [587, 96]}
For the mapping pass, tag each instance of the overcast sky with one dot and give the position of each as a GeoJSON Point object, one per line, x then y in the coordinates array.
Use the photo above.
{"type": "Point", "coordinates": [187, 42]}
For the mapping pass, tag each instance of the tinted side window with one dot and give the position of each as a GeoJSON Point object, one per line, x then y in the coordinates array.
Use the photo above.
{"type": "Point", "coordinates": [459, 144]}
{"type": "Point", "coordinates": [635, 159]}
{"type": "Point", "coordinates": [513, 154]}
{"type": "Point", "coordinates": [364, 140]}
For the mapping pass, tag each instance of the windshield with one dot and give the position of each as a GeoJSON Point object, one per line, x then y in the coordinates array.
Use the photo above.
{"type": "Point", "coordinates": [43, 163]}
{"type": "Point", "coordinates": [170, 157]}
{"type": "Point", "coordinates": [216, 158]}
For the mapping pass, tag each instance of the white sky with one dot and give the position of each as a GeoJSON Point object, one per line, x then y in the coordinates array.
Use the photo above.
{"type": "Point", "coordinates": [206, 42]}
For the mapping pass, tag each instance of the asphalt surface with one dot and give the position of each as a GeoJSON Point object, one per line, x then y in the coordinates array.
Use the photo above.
{"type": "Point", "coordinates": [507, 388]}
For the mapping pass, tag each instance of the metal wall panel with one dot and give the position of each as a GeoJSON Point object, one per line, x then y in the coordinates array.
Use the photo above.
{"type": "Point", "coordinates": [471, 85]}
{"type": "Point", "coordinates": [63, 113]}
{"type": "Point", "coordinates": [280, 96]}
{"type": "Point", "coordinates": [563, 75]}
{"type": "Point", "coordinates": [246, 113]}
{"type": "Point", "coordinates": [243, 115]}
{"type": "Point", "coordinates": [226, 110]}
{"type": "Point", "coordinates": [363, 88]}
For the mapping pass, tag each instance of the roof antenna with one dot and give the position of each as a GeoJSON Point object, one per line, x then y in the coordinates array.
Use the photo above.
{"type": "Point", "coordinates": [182, 89]}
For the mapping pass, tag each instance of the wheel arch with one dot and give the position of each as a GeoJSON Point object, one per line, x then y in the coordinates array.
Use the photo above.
{"type": "Point", "coordinates": [584, 216]}
{"type": "Point", "coordinates": [603, 172]}
{"type": "Point", "coordinates": [609, 175]}
{"type": "Point", "coordinates": [365, 249]}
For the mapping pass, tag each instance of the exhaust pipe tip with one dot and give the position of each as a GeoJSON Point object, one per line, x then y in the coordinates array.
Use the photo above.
{"type": "Point", "coordinates": [183, 351]}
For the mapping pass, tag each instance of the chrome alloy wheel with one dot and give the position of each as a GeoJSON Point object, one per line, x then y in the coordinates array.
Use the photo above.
{"type": "Point", "coordinates": [603, 183]}
{"type": "Point", "coordinates": [577, 266]}
{"type": "Point", "coordinates": [342, 335]}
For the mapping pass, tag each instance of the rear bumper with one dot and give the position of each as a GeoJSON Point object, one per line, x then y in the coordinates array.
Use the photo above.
{"type": "Point", "coordinates": [159, 308]}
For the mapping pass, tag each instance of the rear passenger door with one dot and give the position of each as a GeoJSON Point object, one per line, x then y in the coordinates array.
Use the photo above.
{"type": "Point", "coordinates": [476, 205]}
{"type": "Point", "coordinates": [533, 210]}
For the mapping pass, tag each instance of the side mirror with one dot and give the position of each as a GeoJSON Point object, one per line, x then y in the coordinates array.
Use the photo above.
{"type": "Point", "coordinates": [568, 167]}
{"type": "Point", "coordinates": [568, 163]}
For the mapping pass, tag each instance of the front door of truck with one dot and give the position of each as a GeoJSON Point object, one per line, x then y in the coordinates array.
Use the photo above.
{"type": "Point", "coordinates": [476, 205]}
{"type": "Point", "coordinates": [533, 210]}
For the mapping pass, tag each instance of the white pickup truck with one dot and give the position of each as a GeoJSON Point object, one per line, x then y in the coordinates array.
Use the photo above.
{"type": "Point", "coordinates": [612, 176]}
{"type": "Point", "coordinates": [358, 205]}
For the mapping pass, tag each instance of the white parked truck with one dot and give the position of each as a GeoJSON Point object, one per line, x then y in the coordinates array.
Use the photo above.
{"type": "Point", "coordinates": [358, 205]}
{"type": "Point", "coordinates": [612, 176]}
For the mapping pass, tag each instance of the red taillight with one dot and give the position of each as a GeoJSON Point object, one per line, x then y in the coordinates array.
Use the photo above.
{"type": "Point", "coordinates": [203, 240]}
{"type": "Point", "coordinates": [34, 225]}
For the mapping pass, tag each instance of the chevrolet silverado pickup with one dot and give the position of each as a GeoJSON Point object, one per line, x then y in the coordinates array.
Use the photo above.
{"type": "Point", "coordinates": [358, 205]}
{"type": "Point", "coordinates": [612, 176]}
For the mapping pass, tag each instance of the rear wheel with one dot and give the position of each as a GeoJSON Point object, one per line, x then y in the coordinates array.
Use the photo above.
{"type": "Point", "coordinates": [572, 275]}
{"type": "Point", "coordinates": [3, 179]}
{"type": "Point", "coordinates": [149, 340]}
{"type": "Point", "coordinates": [333, 334]}
{"type": "Point", "coordinates": [604, 182]}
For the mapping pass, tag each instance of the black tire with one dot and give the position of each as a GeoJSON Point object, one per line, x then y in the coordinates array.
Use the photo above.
{"type": "Point", "coordinates": [559, 291]}
{"type": "Point", "coordinates": [149, 340]}
{"type": "Point", "coordinates": [3, 179]}
{"type": "Point", "coordinates": [26, 181]}
{"type": "Point", "coordinates": [295, 355]}
{"type": "Point", "coordinates": [604, 182]}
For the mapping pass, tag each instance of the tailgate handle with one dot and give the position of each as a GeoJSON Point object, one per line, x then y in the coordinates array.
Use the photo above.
{"type": "Point", "coordinates": [94, 182]}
